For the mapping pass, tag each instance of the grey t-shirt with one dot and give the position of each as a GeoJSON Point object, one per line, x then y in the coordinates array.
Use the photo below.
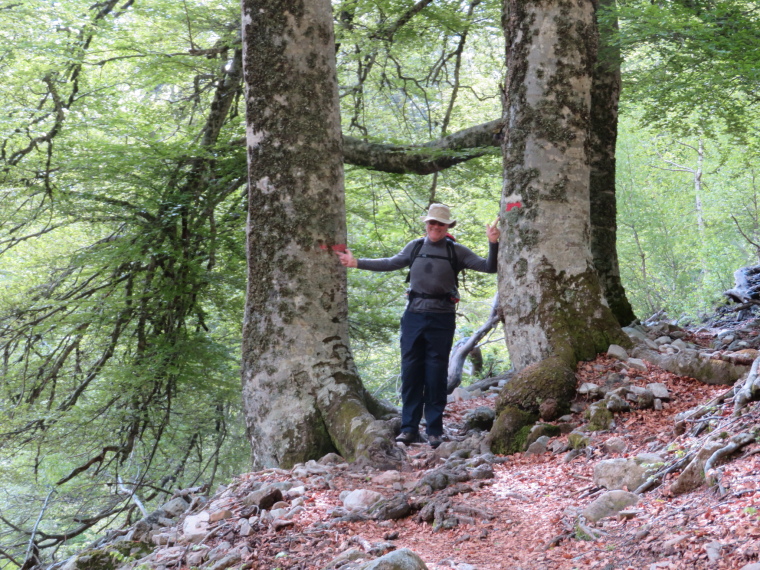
{"type": "Point", "coordinates": [433, 275]}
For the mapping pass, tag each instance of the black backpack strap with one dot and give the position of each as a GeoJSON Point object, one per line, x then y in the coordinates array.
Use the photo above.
{"type": "Point", "coordinates": [415, 252]}
{"type": "Point", "coordinates": [453, 259]}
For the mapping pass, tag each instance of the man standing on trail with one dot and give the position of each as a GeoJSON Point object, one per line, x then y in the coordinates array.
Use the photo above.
{"type": "Point", "coordinates": [428, 324]}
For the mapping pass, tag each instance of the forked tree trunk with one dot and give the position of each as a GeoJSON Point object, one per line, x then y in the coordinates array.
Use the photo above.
{"type": "Point", "coordinates": [301, 391]}
{"type": "Point", "coordinates": [553, 306]}
{"type": "Point", "coordinates": [605, 96]}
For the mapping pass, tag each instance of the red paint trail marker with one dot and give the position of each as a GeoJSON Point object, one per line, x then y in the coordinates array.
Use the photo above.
{"type": "Point", "coordinates": [511, 205]}
{"type": "Point", "coordinates": [341, 247]}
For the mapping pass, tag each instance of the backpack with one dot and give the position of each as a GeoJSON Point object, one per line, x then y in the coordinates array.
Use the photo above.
{"type": "Point", "coordinates": [451, 257]}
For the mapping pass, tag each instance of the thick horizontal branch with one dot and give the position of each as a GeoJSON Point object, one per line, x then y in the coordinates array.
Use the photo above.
{"type": "Point", "coordinates": [427, 158]}
{"type": "Point", "coordinates": [423, 159]}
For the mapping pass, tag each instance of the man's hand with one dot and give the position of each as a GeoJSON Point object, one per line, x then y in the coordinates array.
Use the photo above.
{"type": "Point", "coordinates": [492, 231]}
{"type": "Point", "coordinates": [347, 259]}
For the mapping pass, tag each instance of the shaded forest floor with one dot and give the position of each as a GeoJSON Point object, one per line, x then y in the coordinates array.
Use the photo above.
{"type": "Point", "coordinates": [525, 517]}
{"type": "Point", "coordinates": [533, 502]}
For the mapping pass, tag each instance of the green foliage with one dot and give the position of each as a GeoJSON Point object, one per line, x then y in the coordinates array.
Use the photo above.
{"type": "Point", "coordinates": [674, 256]}
{"type": "Point", "coordinates": [124, 270]}
{"type": "Point", "coordinates": [691, 67]}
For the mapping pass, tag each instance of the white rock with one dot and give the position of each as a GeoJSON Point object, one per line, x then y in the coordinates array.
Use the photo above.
{"type": "Point", "coordinates": [195, 527]}
{"type": "Point", "coordinates": [388, 478]}
{"type": "Point", "coordinates": [245, 528]}
{"type": "Point", "coordinates": [712, 549]}
{"type": "Point", "coordinates": [588, 388]}
{"type": "Point", "coordinates": [459, 395]}
{"type": "Point", "coordinates": [659, 390]}
{"type": "Point", "coordinates": [609, 504]}
{"type": "Point", "coordinates": [637, 364]}
{"type": "Point", "coordinates": [295, 492]}
{"type": "Point", "coordinates": [617, 352]}
{"type": "Point", "coordinates": [361, 499]}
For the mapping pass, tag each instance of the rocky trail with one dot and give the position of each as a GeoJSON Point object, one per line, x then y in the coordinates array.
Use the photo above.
{"type": "Point", "coordinates": [653, 469]}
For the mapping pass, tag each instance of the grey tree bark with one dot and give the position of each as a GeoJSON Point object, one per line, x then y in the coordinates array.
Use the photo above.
{"type": "Point", "coordinates": [605, 97]}
{"type": "Point", "coordinates": [301, 391]}
{"type": "Point", "coordinates": [552, 303]}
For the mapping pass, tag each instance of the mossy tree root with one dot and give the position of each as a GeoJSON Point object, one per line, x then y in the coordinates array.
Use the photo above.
{"type": "Point", "coordinates": [357, 434]}
{"type": "Point", "coordinates": [543, 390]}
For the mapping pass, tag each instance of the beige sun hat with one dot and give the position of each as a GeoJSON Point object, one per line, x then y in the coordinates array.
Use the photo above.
{"type": "Point", "coordinates": [439, 213]}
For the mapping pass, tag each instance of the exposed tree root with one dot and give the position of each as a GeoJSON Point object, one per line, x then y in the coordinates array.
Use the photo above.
{"type": "Point", "coordinates": [712, 475]}
{"type": "Point", "coordinates": [749, 390]}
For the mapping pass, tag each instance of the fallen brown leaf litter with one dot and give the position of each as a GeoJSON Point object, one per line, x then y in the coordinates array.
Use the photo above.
{"type": "Point", "coordinates": [532, 502]}
{"type": "Point", "coordinates": [526, 516]}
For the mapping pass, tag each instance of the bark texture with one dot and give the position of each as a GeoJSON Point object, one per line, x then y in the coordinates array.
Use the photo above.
{"type": "Point", "coordinates": [605, 97]}
{"type": "Point", "coordinates": [553, 306]}
{"type": "Point", "coordinates": [301, 391]}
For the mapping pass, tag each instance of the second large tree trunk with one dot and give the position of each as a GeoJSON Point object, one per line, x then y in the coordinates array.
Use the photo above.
{"type": "Point", "coordinates": [301, 391]}
{"type": "Point", "coordinates": [605, 96]}
{"type": "Point", "coordinates": [553, 307]}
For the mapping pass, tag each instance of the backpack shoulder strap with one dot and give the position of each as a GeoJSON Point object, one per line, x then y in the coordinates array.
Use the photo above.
{"type": "Point", "coordinates": [452, 251]}
{"type": "Point", "coordinates": [415, 252]}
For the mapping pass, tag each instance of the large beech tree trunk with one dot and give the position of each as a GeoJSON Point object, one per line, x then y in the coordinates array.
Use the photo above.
{"type": "Point", "coordinates": [552, 304]}
{"type": "Point", "coordinates": [605, 96]}
{"type": "Point", "coordinates": [301, 391]}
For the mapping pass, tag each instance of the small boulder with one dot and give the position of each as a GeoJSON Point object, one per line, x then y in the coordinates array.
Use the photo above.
{"type": "Point", "coordinates": [263, 498]}
{"type": "Point", "coordinates": [659, 391]}
{"type": "Point", "coordinates": [541, 430]}
{"type": "Point", "coordinates": [402, 559]}
{"type": "Point", "coordinates": [615, 404]}
{"type": "Point", "coordinates": [195, 527]}
{"type": "Point", "coordinates": [397, 507]}
{"type": "Point", "coordinates": [459, 395]}
{"type": "Point", "coordinates": [609, 505]}
{"type": "Point", "coordinates": [694, 475]}
{"type": "Point", "coordinates": [480, 418]}
{"type": "Point", "coordinates": [175, 507]}
{"type": "Point", "coordinates": [578, 440]}
{"type": "Point", "coordinates": [619, 473]}
{"type": "Point", "coordinates": [590, 390]}
{"type": "Point", "coordinates": [361, 499]}
{"type": "Point", "coordinates": [538, 447]}
{"type": "Point", "coordinates": [599, 417]}
{"type": "Point", "coordinates": [617, 352]}
{"type": "Point", "coordinates": [615, 445]}
{"type": "Point", "coordinates": [643, 397]}
{"type": "Point", "coordinates": [637, 364]}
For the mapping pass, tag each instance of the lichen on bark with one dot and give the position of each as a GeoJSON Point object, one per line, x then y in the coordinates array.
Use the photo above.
{"type": "Point", "coordinates": [554, 311]}
{"type": "Point", "coordinates": [302, 394]}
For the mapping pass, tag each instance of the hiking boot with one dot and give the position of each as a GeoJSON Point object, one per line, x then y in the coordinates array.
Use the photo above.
{"type": "Point", "coordinates": [435, 440]}
{"type": "Point", "coordinates": [408, 437]}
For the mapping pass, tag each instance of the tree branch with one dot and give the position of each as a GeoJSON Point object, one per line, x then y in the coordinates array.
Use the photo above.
{"type": "Point", "coordinates": [431, 157]}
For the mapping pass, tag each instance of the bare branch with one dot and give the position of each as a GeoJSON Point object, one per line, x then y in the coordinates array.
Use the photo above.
{"type": "Point", "coordinates": [97, 459]}
{"type": "Point", "coordinates": [36, 525]}
{"type": "Point", "coordinates": [749, 241]}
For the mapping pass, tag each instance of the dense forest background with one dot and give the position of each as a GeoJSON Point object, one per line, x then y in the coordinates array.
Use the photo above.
{"type": "Point", "coordinates": [122, 177]}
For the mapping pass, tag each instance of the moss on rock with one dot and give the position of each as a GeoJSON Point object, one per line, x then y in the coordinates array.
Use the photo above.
{"type": "Point", "coordinates": [510, 430]}
{"type": "Point", "coordinates": [599, 417]}
{"type": "Point", "coordinates": [549, 379]}
{"type": "Point", "coordinates": [110, 557]}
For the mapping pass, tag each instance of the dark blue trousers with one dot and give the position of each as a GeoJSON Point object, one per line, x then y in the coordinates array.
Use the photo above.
{"type": "Point", "coordinates": [425, 345]}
